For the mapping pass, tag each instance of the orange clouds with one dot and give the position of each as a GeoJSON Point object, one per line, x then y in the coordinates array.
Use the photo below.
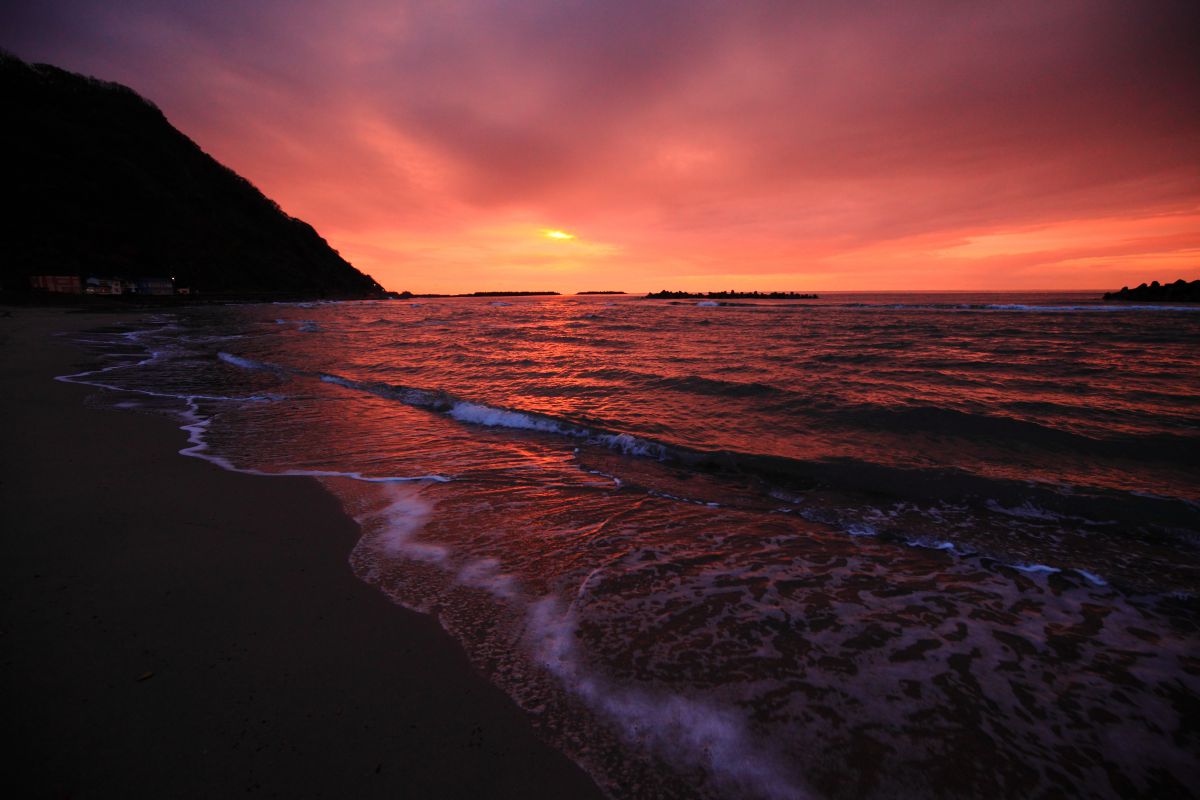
{"type": "Point", "coordinates": [759, 145]}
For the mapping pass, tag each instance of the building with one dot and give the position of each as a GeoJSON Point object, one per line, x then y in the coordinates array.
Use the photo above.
{"type": "Point", "coordinates": [59, 284]}
{"type": "Point", "coordinates": [71, 284]}
{"type": "Point", "coordinates": [103, 286]}
{"type": "Point", "coordinates": [154, 286]}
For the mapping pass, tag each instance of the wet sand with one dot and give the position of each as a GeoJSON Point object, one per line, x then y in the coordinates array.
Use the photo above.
{"type": "Point", "coordinates": [171, 629]}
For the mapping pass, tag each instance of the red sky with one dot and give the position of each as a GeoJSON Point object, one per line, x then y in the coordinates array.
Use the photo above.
{"type": "Point", "coordinates": [692, 145]}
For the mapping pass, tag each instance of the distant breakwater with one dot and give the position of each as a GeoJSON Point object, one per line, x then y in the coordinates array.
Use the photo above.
{"type": "Point", "coordinates": [668, 295]}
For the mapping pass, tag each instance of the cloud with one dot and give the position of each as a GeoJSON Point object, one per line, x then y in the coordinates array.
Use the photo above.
{"type": "Point", "coordinates": [682, 132]}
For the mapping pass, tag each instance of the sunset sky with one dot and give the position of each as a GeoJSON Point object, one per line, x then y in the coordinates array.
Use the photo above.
{"type": "Point", "coordinates": [693, 145]}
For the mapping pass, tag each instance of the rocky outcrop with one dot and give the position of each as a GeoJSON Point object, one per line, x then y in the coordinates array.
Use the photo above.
{"type": "Point", "coordinates": [1178, 292]}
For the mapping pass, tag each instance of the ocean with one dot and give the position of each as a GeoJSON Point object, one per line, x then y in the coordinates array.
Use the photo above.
{"type": "Point", "coordinates": [865, 546]}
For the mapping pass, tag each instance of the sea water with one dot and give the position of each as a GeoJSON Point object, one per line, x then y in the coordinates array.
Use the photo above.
{"type": "Point", "coordinates": [862, 546]}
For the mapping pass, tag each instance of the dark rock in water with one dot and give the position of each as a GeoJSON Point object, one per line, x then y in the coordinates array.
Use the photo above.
{"type": "Point", "coordinates": [1178, 292]}
{"type": "Point", "coordinates": [98, 183]}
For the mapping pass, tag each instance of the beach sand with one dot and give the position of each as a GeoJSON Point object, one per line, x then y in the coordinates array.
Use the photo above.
{"type": "Point", "coordinates": [173, 630]}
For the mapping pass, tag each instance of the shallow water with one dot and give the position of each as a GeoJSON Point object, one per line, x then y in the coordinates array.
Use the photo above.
{"type": "Point", "coordinates": [867, 546]}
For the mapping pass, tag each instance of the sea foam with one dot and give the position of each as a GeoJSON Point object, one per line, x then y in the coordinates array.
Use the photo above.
{"type": "Point", "coordinates": [502, 418]}
{"type": "Point", "coordinates": [687, 731]}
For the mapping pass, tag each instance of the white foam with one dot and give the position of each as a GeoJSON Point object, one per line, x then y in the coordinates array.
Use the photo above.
{"type": "Point", "coordinates": [616, 481]}
{"type": "Point", "coordinates": [708, 303]}
{"type": "Point", "coordinates": [631, 445]}
{"type": "Point", "coordinates": [246, 363]}
{"type": "Point", "coordinates": [340, 381]}
{"type": "Point", "coordinates": [501, 418]}
{"type": "Point", "coordinates": [484, 573]}
{"type": "Point", "coordinates": [690, 731]}
{"type": "Point", "coordinates": [395, 526]}
{"type": "Point", "coordinates": [932, 545]}
{"type": "Point", "coordinates": [1036, 568]}
{"type": "Point", "coordinates": [861, 529]}
{"type": "Point", "coordinates": [1091, 576]}
{"type": "Point", "coordinates": [1026, 510]}
{"type": "Point", "coordinates": [679, 499]}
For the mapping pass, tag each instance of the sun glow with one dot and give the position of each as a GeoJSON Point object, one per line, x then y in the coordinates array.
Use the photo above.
{"type": "Point", "coordinates": [561, 235]}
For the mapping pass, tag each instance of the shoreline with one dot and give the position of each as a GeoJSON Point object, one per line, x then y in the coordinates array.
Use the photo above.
{"type": "Point", "coordinates": [171, 628]}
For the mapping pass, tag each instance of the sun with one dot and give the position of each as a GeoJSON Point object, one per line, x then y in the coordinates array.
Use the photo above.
{"type": "Point", "coordinates": [561, 235]}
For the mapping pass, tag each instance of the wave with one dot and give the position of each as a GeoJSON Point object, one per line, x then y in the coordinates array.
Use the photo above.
{"type": "Point", "coordinates": [1094, 579]}
{"type": "Point", "coordinates": [690, 384]}
{"type": "Point", "coordinates": [1097, 307]}
{"type": "Point", "coordinates": [972, 426]}
{"type": "Point", "coordinates": [503, 418]}
{"type": "Point", "coordinates": [695, 384]}
{"type": "Point", "coordinates": [497, 417]}
{"type": "Point", "coordinates": [196, 426]}
{"type": "Point", "coordinates": [89, 378]}
{"type": "Point", "coordinates": [773, 472]}
{"type": "Point", "coordinates": [470, 412]}
{"type": "Point", "coordinates": [248, 363]}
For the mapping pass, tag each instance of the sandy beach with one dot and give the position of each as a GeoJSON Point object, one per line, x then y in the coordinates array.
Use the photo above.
{"type": "Point", "coordinates": [170, 629]}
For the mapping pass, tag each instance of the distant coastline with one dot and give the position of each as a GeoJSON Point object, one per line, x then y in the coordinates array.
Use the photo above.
{"type": "Point", "coordinates": [668, 295]}
{"type": "Point", "coordinates": [406, 295]}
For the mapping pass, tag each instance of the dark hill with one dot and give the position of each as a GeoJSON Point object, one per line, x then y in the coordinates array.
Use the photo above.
{"type": "Point", "coordinates": [97, 182]}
